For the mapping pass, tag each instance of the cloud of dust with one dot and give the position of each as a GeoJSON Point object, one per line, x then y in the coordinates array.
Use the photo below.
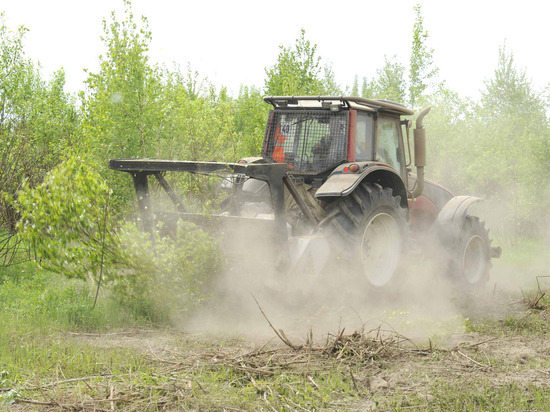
{"type": "Point", "coordinates": [524, 255]}
{"type": "Point", "coordinates": [420, 303]}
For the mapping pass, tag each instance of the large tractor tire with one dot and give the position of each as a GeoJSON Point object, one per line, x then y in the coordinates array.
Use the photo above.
{"type": "Point", "coordinates": [469, 251]}
{"type": "Point", "coordinates": [368, 228]}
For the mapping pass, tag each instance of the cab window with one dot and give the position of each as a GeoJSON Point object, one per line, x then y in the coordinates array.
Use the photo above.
{"type": "Point", "coordinates": [363, 137]}
{"type": "Point", "coordinates": [387, 143]}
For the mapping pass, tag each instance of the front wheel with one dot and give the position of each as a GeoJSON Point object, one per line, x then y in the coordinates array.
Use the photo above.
{"type": "Point", "coordinates": [368, 229]}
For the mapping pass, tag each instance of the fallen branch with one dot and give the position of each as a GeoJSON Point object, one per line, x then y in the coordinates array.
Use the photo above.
{"type": "Point", "coordinates": [353, 380]}
{"type": "Point", "coordinates": [535, 304]}
{"type": "Point", "coordinates": [281, 335]}
{"type": "Point", "coordinates": [472, 360]}
{"type": "Point", "coordinates": [30, 401]}
{"type": "Point", "coordinates": [48, 385]}
{"type": "Point", "coordinates": [473, 345]}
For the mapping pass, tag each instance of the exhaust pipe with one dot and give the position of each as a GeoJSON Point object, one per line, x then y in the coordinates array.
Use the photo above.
{"type": "Point", "coordinates": [420, 152]}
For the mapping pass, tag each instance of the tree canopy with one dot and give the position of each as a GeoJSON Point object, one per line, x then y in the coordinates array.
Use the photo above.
{"type": "Point", "coordinates": [495, 147]}
{"type": "Point", "coordinates": [299, 72]}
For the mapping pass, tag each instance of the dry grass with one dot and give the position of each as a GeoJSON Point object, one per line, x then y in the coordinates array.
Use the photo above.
{"type": "Point", "coordinates": [340, 371]}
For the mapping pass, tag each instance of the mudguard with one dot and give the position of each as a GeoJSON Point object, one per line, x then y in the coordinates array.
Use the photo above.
{"type": "Point", "coordinates": [455, 211]}
{"type": "Point", "coordinates": [343, 182]}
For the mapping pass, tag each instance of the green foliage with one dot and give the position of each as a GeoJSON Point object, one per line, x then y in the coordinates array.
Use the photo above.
{"type": "Point", "coordinates": [390, 84]}
{"type": "Point", "coordinates": [65, 219]}
{"type": "Point", "coordinates": [367, 89]}
{"type": "Point", "coordinates": [198, 123]}
{"type": "Point", "coordinates": [298, 72]}
{"type": "Point", "coordinates": [249, 116]}
{"type": "Point", "coordinates": [510, 91]}
{"type": "Point", "coordinates": [37, 121]}
{"type": "Point", "coordinates": [330, 85]}
{"type": "Point", "coordinates": [495, 148]}
{"type": "Point", "coordinates": [422, 69]}
{"type": "Point", "coordinates": [134, 109]}
{"type": "Point", "coordinates": [122, 112]}
{"type": "Point", "coordinates": [165, 277]}
{"type": "Point", "coordinates": [355, 88]}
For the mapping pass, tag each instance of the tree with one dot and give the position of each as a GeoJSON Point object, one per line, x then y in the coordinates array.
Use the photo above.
{"type": "Point", "coordinates": [122, 111]}
{"type": "Point", "coordinates": [367, 88]}
{"type": "Point", "coordinates": [510, 92]}
{"type": "Point", "coordinates": [422, 69]}
{"type": "Point", "coordinates": [515, 120]}
{"type": "Point", "coordinates": [249, 115]}
{"type": "Point", "coordinates": [330, 86]}
{"type": "Point", "coordinates": [355, 87]}
{"type": "Point", "coordinates": [497, 148]}
{"type": "Point", "coordinates": [390, 84]}
{"type": "Point", "coordinates": [37, 121]}
{"type": "Point", "coordinates": [298, 71]}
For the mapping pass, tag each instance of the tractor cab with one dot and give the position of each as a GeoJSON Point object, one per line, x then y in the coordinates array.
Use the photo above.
{"type": "Point", "coordinates": [314, 135]}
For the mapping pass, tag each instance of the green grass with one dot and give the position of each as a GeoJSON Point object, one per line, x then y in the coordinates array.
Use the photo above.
{"type": "Point", "coordinates": [227, 387]}
{"type": "Point", "coordinates": [525, 323]}
{"type": "Point", "coordinates": [34, 299]}
{"type": "Point", "coordinates": [55, 350]}
{"type": "Point", "coordinates": [43, 316]}
{"type": "Point", "coordinates": [480, 395]}
{"type": "Point", "coordinates": [38, 309]}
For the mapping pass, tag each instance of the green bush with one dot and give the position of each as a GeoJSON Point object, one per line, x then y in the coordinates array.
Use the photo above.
{"type": "Point", "coordinates": [66, 220]}
{"type": "Point", "coordinates": [165, 276]}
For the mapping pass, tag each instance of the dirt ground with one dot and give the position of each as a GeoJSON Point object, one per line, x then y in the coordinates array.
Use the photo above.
{"type": "Point", "coordinates": [389, 362]}
{"type": "Point", "coordinates": [381, 363]}
{"type": "Point", "coordinates": [426, 347]}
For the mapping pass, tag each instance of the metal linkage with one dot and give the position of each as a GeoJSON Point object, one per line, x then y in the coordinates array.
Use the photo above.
{"type": "Point", "coordinates": [140, 169]}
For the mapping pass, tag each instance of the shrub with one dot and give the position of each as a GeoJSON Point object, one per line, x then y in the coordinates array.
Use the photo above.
{"type": "Point", "coordinates": [66, 220]}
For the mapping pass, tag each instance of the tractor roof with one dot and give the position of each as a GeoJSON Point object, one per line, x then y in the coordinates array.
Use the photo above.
{"type": "Point", "coordinates": [326, 102]}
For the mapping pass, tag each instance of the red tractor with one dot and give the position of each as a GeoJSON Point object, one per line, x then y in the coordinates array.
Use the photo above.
{"type": "Point", "coordinates": [335, 175]}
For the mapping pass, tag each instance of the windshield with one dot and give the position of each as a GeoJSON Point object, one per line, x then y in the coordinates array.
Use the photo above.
{"type": "Point", "coordinates": [309, 141]}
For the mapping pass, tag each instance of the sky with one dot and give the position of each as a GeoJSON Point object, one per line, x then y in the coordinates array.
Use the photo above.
{"type": "Point", "coordinates": [232, 42]}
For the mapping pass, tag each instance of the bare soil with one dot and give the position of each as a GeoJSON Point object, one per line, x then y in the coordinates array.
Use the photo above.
{"type": "Point", "coordinates": [381, 363]}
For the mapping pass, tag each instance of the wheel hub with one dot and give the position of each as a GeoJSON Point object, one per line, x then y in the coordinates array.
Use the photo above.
{"type": "Point", "coordinates": [380, 249]}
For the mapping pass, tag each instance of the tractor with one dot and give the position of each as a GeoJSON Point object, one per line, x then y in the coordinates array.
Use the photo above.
{"type": "Point", "coordinates": [335, 178]}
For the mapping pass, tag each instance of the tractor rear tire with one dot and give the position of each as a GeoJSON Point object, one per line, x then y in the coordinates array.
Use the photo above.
{"type": "Point", "coordinates": [470, 255]}
{"type": "Point", "coordinates": [368, 228]}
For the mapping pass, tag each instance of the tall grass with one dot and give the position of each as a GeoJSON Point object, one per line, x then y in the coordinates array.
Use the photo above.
{"type": "Point", "coordinates": [37, 301]}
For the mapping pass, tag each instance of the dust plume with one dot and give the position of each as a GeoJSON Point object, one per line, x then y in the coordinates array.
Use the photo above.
{"type": "Point", "coordinates": [420, 303]}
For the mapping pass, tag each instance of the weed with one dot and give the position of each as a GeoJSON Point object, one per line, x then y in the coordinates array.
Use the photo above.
{"type": "Point", "coordinates": [479, 395]}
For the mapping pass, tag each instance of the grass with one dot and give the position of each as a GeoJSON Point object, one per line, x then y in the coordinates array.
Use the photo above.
{"type": "Point", "coordinates": [56, 351]}
{"type": "Point", "coordinates": [480, 395]}
{"type": "Point", "coordinates": [37, 309]}
{"type": "Point", "coordinates": [50, 357]}
{"type": "Point", "coordinates": [37, 300]}
{"type": "Point", "coordinates": [527, 323]}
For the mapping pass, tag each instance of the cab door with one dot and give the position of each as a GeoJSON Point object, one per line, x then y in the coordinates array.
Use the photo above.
{"type": "Point", "coordinates": [389, 143]}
